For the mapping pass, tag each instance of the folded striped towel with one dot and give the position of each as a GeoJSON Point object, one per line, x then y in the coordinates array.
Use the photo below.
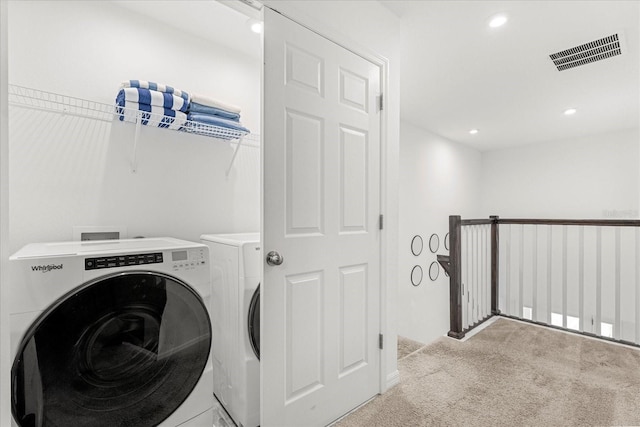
{"type": "Point", "coordinates": [208, 119]}
{"type": "Point", "coordinates": [152, 97]}
{"type": "Point", "coordinates": [143, 84]}
{"type": "Point", "coordinates": [151, 115]}
{"type": "Point", "coordinates": [210, 102]}
{"type": "Point", "coordinates": [194, 107]}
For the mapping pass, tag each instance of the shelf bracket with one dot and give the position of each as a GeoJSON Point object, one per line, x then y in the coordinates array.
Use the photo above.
{"type": "Point", "coordinates": [445, 262]}
{"type": "Point", "coordinates": [233, 158]}
{"type": "Point", "coordinates": [134, 154]}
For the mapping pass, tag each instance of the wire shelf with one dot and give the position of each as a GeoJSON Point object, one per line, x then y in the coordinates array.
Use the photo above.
{"type": "Point", "coordinates": [49, 101]}
{"type": "Point", "coordinates": [69, 105]}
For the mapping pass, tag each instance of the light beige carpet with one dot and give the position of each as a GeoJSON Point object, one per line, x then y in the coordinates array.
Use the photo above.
{"type": "Point", "coordinates": [407, 346]}
{"type": "Point", "coordinates": [511, 374]}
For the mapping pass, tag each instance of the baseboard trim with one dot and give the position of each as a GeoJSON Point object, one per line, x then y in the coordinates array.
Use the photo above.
{"type": "Point", "coordinates": [393, 379]}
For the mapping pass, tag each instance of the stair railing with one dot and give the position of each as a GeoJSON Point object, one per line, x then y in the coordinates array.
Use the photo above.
{"type": "Point", "coordinates": [577, 275]}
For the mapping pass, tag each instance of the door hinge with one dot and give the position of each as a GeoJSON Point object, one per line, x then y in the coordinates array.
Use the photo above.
{"type": "Point", "coordinates": [381, 102]}
{"type": "Point", "coordinates": [381, 221]}
{"type": "Point", "coordinates": [381, 341]}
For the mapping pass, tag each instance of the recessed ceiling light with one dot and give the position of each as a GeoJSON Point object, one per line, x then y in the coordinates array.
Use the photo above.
{"type": "Point", "coordinates": [498, 21]}
{"type": "Point", "coordinates": [473, 131]}
{"type": "Point", "coordinates": [570, 111]}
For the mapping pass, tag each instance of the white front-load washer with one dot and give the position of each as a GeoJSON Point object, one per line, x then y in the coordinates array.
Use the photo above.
{"type": "Point", "coordinates": [111, 333]}
{"type": "Point", "coordinates": [236, 273]}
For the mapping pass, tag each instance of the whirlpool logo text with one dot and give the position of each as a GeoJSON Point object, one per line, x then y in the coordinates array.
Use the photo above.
{"type": "Point", "coordinates": [46, 268]}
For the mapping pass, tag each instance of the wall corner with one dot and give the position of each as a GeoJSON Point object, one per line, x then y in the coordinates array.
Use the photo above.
{"type": "Point", "coordinates": [5, 362]}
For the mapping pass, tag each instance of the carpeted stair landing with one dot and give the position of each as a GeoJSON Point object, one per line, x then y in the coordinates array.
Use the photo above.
{"type": "Point", "coordinates": [510, 374]}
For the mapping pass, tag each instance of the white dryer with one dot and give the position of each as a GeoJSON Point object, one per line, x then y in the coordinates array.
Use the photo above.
{"type": "Point", "coordinates": [111, 333]}
{"type": "Point", "coordinates": [236, 273]}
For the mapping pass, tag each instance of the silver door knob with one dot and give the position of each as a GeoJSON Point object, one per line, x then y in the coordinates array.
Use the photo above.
{"type": "Point", "coordinates": [274, 258]}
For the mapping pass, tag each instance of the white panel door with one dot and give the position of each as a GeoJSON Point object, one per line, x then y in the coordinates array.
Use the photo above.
{"type": "Point", "coordinates": [321, 204]}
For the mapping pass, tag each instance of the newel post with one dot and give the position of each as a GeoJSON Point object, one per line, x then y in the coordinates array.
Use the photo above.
{"type": "Point", "coordinates": [495, 256]}
{"type": "Point", "coordinates": [455, 274]}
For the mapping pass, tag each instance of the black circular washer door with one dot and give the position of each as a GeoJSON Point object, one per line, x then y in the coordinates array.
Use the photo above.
{"type": "Point", "coordinates": [126, 349]}
{"type": "Point", "coordinates": [254, 322]}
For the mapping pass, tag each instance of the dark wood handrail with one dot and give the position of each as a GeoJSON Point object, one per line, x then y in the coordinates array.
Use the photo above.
{"type": "Point", "coordinates": [553, 221]}
{"type": "Point", "coordinates": [589, 222]}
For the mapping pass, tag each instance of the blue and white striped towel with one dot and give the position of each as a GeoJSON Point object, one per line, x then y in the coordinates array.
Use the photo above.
{"type": "Point", "coordinates": [152, 97]}
{"type": "Point", "coordinates": [151, 115]}
{"type": "Point", "coordinates": [143, 84]}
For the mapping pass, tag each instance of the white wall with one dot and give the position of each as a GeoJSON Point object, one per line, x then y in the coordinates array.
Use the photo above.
{"type": "Point", "coordinates": [69, 171]}
{"type": "Point", "coordinates": [438, 178]}
{"type": "Point", "coordinates": [86, 49]}
{"type": "Point", "coordinates": [590, 177]}
{"type": "Point", "coordinates": [5, 361]}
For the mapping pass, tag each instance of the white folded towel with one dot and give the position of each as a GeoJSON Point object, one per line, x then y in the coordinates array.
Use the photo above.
{"type": "Point", "coordinates": [210, 102]}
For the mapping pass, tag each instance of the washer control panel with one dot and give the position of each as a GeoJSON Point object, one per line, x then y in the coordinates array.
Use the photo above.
{"type": "Point", "coordinates": [183, 259]}
{"type": "Point", "coordinates": [122, 260]}
{"type": "Point", "coordinates": [188, 259]}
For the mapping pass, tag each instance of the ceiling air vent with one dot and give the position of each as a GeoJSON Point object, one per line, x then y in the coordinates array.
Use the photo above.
{"type": "Point", "coordinates": [587, 53]}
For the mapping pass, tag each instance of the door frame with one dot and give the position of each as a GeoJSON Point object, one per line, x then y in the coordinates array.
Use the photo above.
{"type": "Point", "coordinates": [5, 360]}
{"type": "Point", "coordinates": [387, 239]}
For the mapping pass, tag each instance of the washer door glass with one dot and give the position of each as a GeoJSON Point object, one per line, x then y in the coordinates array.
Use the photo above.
{"type": "Point", "coordinates": [254, 322]}
{"type": "Point", "coordinates": [124, 350]}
